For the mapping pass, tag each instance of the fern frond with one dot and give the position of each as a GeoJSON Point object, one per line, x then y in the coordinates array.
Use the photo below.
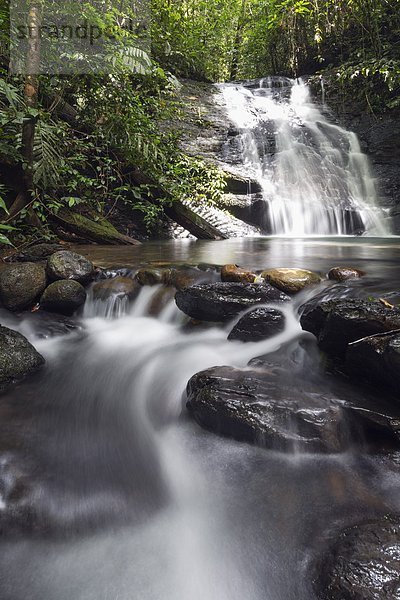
{"type": "Point", "coordinates": [47, 154]}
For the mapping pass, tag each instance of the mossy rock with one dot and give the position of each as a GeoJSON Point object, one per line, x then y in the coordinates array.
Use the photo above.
{"type": "Point", "coordinates": [21, 285]}
{"type": "Point", "coordinates": [18, 358]}
{"type": "Point", "coordinates": [63, 297]}
{"type": "Point", "coordinates": [70, 265]}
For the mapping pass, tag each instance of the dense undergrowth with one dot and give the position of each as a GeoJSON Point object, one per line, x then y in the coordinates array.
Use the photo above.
{"type": "Point", "coordinates": [99, 144]}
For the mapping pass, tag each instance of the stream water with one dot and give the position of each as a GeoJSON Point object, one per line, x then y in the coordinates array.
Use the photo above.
{"type": "Point", "coordinates": [123, 497]}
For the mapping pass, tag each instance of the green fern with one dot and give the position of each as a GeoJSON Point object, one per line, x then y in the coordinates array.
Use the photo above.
{"type": "Point", "coordinates": [47, 154]}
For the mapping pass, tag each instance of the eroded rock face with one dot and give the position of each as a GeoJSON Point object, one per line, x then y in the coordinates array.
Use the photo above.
{"type": "Point", "coordinates": [345, 273]}
{"type": "Point", "coordinates": [64, 297]}
{"type": "Point", "coordinates": [18, 358]}
{"type": "Point", "coordinates": [21, 285]}
{"type": "Point", "coordinates": [337, 323]}
{"type": "Point", "coordinates": [233, 273]}
{"type": "Point", "coordinates": [223, 301]}
{"type": "Point", "coordinates": [291, 281]}
{"type": "Point", "coordinates": [376, 358]}
{"type": "Point", "coordinates": [70, 265]}
{"type": "Point", "coordinates": [363, 564]}
{"type": "Point", "coordinates": [258, 324]}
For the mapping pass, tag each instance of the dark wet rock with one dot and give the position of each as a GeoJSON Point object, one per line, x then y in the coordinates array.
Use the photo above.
{"type": "Point", "coordinates": [224, 301]}
{"type": "Point", "coordinates": [336, 323]}
{"type": "Point", "coordinates": [21, 285]}
{"type": "Point", "coordinates": [363, 564]}
{"type": "Point", "coordinates": [290, 281]}
{"type": "Point", "coordinates": [285, 400]}
{"type": "Point", "coordinates": [37, 253]}
{"type": "Point", "coordinates": [152, 276]}
{"type": "Point", "coordinates": [18, 358]}
{"type": "Point", "coordinates": [70, 265]}
{"type": "Point", "coordinates": [117, 286]}
{"type": "Point", "coordinates": [64, 296]}
{"type": "Point", "coordinates": [345, 273]}
{"type": "Point", "coordinates": [233, 273]}
{"type": "Point", "coordinates": [249, 406]}
{"type": "Point", "coordinates": [377, 359]}
{"type": "Point", "coordinates": [258, 324]}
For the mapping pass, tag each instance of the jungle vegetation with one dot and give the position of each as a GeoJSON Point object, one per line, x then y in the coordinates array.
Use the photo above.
{"type": "Point", "coordinates": [94, 141]}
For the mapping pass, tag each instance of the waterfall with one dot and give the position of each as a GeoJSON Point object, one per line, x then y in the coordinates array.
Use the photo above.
{"type": "Point", "coordinates": [314, 176]}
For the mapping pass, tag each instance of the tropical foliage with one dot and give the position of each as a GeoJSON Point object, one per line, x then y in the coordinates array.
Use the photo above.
{"type": "Point", "coordinates": [84, 136]}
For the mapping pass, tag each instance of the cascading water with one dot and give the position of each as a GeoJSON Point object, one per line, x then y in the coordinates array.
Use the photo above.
{"type": "Point", "coordinates": [315, 178]}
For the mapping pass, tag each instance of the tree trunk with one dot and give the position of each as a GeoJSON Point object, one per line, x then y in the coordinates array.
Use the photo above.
{"type": "Point", "coordinates": [31, 88]}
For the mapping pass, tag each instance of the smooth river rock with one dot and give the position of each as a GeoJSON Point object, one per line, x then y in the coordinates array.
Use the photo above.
{"type": "Point", "coordinates": [258, 324]}
{"type": "Point", "coordinates": [275, 407]}
{"type": "Point", "coordinates": [18, 358]}
{"type": "Point", "coordinates": [291, 281]}
{"type": "Point", "coordinates": [70, 265]}
{"type": "Point", "coordinates": [21, 285]}
{"type": "Point", "coordinates": [220, 302]}
{"type": "Point", "coordinates": [345, 273]}
{"type": "Point", "coordinates": [363, 564]}
{"type": "Point", "coordinates": [337, 323]}
{"type": "Point", "coordinates": [64, 297]}
{"type": "Point", "coordinates": [233, 273]}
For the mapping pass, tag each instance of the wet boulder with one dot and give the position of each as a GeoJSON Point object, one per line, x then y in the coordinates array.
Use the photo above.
{"type": "Point", "coordinates": [70, 265]}
{"type": "Point", "coordinates": [18, 358]}
{"type": "Point", "coordinates": [345, 273]}
{"type": "Point", "coordinates": [337, 323]}
{"type": "Point", "coordinates": [63, 296]}
{"type": "Point", "coordinates": [258, 324]}
{"type": "Point", "coordinates": [152, 276]}
{"type": "Point", "coordinates": [116, 286]}
{"type": "Point", "coordinates": [291, 281]}
{"type": "Point", "coordinates": [220, 302]}
{"type": "Point", "coordinates": [258, 407]}
{"type": "Point", "coordinates": [363, 564]}
{"type": "Point", "coordinates": [233, 273]}
{"type": "Point", "coordinates": [377, 359]}
{"type": "Point", "coordinates": [21, 285]}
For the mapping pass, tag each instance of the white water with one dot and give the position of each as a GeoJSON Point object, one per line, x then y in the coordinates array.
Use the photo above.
{"type": "Point", "coordinates": [315, 178]}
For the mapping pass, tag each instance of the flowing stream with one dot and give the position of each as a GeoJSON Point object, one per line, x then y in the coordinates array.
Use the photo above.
{"type": "Point", "coordinates": [123, 497]}
{"type": "Point", "coordinates": [314, 176]}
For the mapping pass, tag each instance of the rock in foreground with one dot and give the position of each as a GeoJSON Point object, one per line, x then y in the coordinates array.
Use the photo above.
{"type": "Point", "coordinates": [18, 358]}
{"type": "Point", "coordinates": [337, 323]}
{"type": "Point", "coordinates": [21, 285]}
{"type": "Point", "coordinates": [220, 302]}
{"type": "Point", "coordinates": [364, 563]}
{"type": "Point", "coordinates": [258, 324]}
{"type": "Point", "coordinates": [258, 407]}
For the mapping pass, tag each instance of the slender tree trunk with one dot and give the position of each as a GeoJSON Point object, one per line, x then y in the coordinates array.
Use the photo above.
{"type": "Point", "coordinates": [238, 41]}
{"type": "Point", "coordinates": [31, 89]}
